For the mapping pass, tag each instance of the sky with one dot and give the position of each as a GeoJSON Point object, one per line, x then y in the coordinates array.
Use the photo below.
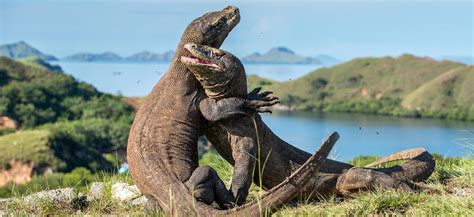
{"type": "Point", "coordinates": [342, 28]}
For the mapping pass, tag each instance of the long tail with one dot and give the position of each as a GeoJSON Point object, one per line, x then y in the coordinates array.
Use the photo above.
{"type": "Point", "coordinates": [179, 202]}
{"type": "Point", "coordinates": [419, 166]}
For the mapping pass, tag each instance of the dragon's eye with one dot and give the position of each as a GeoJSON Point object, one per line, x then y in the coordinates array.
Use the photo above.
{"type": "Point", "coordinates": [218, 55]}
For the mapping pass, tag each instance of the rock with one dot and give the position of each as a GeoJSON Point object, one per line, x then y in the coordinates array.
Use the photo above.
{"type": "Point", "coordinates": [139, 201]}
{"type": "Point", "coordinates": [17, 172]}
{"type": "Point", "coordinates": [64, 195]}
{"type": "Point", "coordinates": [462, 192]}
{"type": "Point", "coordinates": [96, 191]}
{"type": "Point", "coordinates": [5, 201]}
{"type": "Point", "coordinates": [125, 192]}
{"type": "Point", "coordinates": [8, 123]}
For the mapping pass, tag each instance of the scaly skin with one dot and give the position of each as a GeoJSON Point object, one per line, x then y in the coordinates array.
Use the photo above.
{"type": "Point", "coordinates": [165, 130]}
{"type": "Point", "coordinates": [162, 146]}
{"type": "Point", "coordinates": [222, 74]}
{"type": "Point", "coordinates": [419, 167]}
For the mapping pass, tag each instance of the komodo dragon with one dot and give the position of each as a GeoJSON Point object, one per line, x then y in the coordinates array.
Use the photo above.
{"type": "Point", "coordinates": [212, 68]}
{"type": "Point", "coordinates": [162, 145]}
{"type": "Point", "coordinates": [281, 158]}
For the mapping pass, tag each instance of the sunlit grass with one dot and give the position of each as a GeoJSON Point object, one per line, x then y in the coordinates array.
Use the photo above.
{"type": "Point", "coordinates": [453, 180]}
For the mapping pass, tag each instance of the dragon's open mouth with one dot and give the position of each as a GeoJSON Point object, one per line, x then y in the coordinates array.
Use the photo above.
{"type": "Point", "coordinates": [196, 60]}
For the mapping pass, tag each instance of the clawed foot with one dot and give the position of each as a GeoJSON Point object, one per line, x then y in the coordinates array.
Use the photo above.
{"type": "Point", "coordinates": [260, 102]}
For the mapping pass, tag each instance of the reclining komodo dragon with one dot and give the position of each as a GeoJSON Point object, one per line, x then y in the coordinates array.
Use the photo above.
{"type": "Point", "coordinates": [162, 146]}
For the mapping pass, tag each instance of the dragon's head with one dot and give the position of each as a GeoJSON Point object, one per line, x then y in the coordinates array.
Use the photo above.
{"type": "Point", "coordinates": [213, 27]}
{"type": "Point", "coordinates": [219, 72]}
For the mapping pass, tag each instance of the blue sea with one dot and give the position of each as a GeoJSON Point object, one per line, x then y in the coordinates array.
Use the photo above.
{"type": "Point", "coordinates": [360, 134]}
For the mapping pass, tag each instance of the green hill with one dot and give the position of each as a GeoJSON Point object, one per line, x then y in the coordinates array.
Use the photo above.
{"type": "Point", "coordinates": [73, 123]}
{"type": "Point", "coordinates": [27, 146]}
{"type": "Point", "coordinates": [34, 95]}
{"type": "Point", "coordinates": [379, 85]}
{"type": "Point", "coordinates": [453, 89]}
{"type": "Point", "coordinates": [254, 81]}
{"type": "Point", "coordinates": [23, 50]}
{"type": "Point", "coordinates": [35, 61]}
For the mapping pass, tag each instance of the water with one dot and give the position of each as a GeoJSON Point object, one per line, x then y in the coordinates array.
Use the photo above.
{"type": "Point", "coordinates": [360, 134]}
{"type": "Point", "coordinates": [372, 135]}
{"type": "Point", "coordinates": [137, 79]}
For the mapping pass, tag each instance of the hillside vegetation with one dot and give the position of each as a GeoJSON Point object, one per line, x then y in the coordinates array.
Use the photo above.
{"type": "Point", "coordinates": [64, 123]}
{"type": "Point", "coordinates": [402, 86]}
{"type": "Point", "coordinates": [26, 146]}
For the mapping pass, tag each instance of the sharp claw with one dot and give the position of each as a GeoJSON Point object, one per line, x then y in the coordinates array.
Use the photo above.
{"type": "Point", "coordinates": [256, 90]}
{"type": "Point", "coordinates": [264, 94]}
{"type": "Point", "coordinates": [264, 110]}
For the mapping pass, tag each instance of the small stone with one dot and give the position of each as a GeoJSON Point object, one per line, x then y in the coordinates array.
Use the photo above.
{"type": "Point", "coordinates": [5, 201]}
{"type": "Point", "coordinates": [96, 191]}
{"type": "Point", "coordinates": [462, 192]}
{"type": "Point", "coordinates": [64, 195]}
{"type": "Point", "coordinates": [139, 201]}
{"type": "Point", "coordinates": [125, 192]}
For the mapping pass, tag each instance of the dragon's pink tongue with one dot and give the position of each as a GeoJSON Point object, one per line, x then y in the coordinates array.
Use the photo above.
{"type": "Point", "coordinates": [204, 61]}
{"type": "Point", "coordinates": [196, 59]}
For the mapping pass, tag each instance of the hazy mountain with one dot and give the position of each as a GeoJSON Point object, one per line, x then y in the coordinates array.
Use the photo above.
{"type": "Point", "coordinates": [91, 57]}
{"type": "Point", "coordinates": [327, 60]}
{"type": "Point", "coordinates": [23, 50]}
{"type": "Point", "coordinates": [147, 56]}
{"type": "Point", "coordinates": [280, 55]}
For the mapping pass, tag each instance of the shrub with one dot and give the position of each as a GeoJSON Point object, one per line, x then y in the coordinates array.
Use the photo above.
{"type": "Point", "coordinates": [84, 142]}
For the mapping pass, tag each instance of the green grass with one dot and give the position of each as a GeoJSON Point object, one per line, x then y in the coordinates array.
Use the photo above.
{"type": "Point", "coordinates": [26, 146]}
{"type": "Point", "coordinates": [451, 175]}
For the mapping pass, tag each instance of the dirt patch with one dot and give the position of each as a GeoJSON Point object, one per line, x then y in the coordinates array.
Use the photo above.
{"type": "Point", "coordinates": [378, 95]}
{"type": "Point", "coordinates": [6, 122]}
{"type": "Point", "coordinates": [16, 172]}
{"type": "Point", "coordinates": [363, 92]}
{"type": "Point", "coordinates": [135, 102]}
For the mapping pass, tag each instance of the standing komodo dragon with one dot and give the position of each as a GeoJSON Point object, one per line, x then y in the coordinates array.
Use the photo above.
{"type": "Point", "coordinates": [162, 147]}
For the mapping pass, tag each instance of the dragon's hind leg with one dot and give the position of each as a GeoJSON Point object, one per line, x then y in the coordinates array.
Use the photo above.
{"type": "Point", "coordinates": [360, 178]}
{"type": "Point", "coordinates": [206, 186]}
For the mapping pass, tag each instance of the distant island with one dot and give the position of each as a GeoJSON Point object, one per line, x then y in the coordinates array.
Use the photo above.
{"type": "Point", "coordinates": [147, 56]}
{"type": "Point", "coordinates": [144, 56]}
{"type": "Point", "coordinates": [276, 55]}
{"type": "Point", "coordinates": [22, 49]}
{"type": "Point", "coordinates": [279, 55]}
